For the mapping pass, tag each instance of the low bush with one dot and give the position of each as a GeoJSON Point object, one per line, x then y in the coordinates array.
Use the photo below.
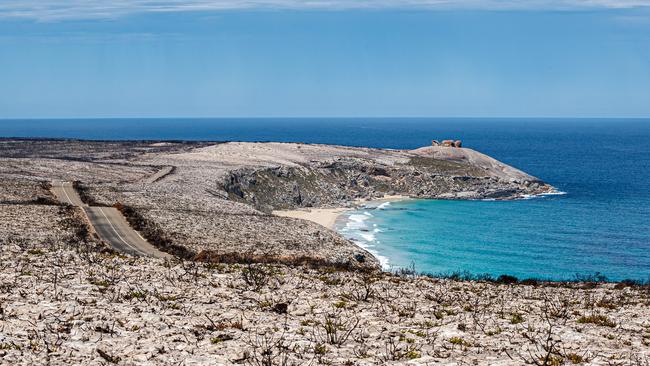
{"type": "Point", "coordinates": [601, 320]}
{"type": "Point", "coordinates": [84, 194]}
{"type": "Point", "coordinates": [211, 256]}
{"type": "Point", "coordinates": [507, 279]}
{"type": "Point", "coordinates": [256, 276]}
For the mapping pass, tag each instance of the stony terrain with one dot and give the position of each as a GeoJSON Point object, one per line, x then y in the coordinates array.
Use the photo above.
{"type": "Point", "coordinates": [65, 301]}
{"type": "Point", "coordinates": [17, 191]}
{"type": "Point", "coordinates": [313, 176]}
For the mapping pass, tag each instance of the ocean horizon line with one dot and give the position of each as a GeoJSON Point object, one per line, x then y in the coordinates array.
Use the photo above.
{"type": "Point", "coordinates": [537, 118]}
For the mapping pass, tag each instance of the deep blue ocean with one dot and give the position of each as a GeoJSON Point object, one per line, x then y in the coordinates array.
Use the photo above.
{"type": "Point", "coordinates": [601, 224]}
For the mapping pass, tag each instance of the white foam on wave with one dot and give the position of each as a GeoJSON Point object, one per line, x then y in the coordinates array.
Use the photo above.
{"type": "Point", "coordinates": [553, 193]}
{"type": "Point", "coordinates": [356, 222]}
{"type": "Point", "coordinates": [358, 230]}
{"type": "Point", "coordinates": [540, 195]}
{"type": "Point", "coordinates": [531, 196]}
{"type": "Point", "coordinates": [383, 206]}
{"type": "Point", "coordinates": [383, 261]}
{"type": "Point", "coordinates": [369, 237]}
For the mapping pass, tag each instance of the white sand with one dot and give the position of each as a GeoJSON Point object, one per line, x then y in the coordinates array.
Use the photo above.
{"type": "Point", "coordinates": [327, 216]}
{"type": "Point", "coordinates": [322, 216]}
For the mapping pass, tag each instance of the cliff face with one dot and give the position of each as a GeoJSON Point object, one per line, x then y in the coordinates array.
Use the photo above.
{"type": "Point", "coordinates": [432, 172]}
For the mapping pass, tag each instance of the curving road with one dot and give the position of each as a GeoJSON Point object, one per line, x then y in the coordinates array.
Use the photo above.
{"type": "Point", "coordinates": [65, 192]}
{"type": "Point", "coordinates": [109, 224]}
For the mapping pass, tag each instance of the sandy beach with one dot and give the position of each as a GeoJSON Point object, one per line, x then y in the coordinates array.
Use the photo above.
{"type": "Point", "coordinates": [327, 216]}
{"type": "Point", "coordinates": [323, 216]}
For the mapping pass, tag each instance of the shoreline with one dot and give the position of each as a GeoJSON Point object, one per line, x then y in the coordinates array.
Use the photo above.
{"type": "Point", "coordinates": [328, 217]}
{"type": "Point", "coordinates": [323, 216]}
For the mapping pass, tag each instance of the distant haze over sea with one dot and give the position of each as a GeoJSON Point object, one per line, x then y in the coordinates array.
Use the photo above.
{"type": "Point", "coordinates": [601, 224]}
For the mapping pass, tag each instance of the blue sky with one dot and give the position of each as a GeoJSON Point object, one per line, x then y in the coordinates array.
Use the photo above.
{"type": "Point", "coordinates": [211, 58]}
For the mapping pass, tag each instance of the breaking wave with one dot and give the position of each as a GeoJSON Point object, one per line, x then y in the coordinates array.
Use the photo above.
{"type": "Point", "coordinates": [359, 231]}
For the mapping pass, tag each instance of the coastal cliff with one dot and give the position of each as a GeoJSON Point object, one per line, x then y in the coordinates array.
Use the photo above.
{"type": "Point", "coordinates": [432, 172]}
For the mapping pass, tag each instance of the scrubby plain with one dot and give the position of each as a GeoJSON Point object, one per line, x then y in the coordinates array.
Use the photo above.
{"type": "Point", "coordinates": [66, 298]}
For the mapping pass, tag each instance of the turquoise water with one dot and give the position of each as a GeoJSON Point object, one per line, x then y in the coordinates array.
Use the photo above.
{"type": "Point", "coordinates": [601, 224]}
{"type": "Point", "coordinates": [531, 238]}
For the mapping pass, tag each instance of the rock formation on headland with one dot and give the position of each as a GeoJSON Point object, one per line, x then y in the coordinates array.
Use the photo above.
{"type": "Point", "coordinates": [447, 143]}
{"type": "Point", "coordinates": [344, 174]}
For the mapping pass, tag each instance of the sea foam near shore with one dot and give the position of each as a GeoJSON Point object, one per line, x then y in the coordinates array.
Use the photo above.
{"type": "Point", "coordinates": [532, 196]}
{"type": "Point", "coordinates": [357, 227]}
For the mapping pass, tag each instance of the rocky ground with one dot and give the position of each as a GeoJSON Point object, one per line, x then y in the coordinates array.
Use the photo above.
{"type": "Point", "coordinates": [21, 191]}
{"type": "Point", "coordinates": [65, 301]}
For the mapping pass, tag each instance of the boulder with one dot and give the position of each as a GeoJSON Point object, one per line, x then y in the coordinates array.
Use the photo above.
{"type": "Point", "coordinates": [458, 143]}
{"type": "Point", "coordinates": [435, 143]}
{"type": "Point", "coordinates": [448, 143]}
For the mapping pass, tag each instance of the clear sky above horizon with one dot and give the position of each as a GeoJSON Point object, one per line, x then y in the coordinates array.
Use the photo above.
{"type": "Point", "coordinates": [282, 58]}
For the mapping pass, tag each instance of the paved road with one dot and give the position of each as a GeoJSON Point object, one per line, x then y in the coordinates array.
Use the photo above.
{"type": "Point", "coordinates": [109, 224]}
{"type": "Point", "coordinates": [159, 174]}
{"type": "Point", "coordinates": [65, 193]}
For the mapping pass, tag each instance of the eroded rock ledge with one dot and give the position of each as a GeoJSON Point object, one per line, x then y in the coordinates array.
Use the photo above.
{"type": "Point", "coordinates": [435, 172]}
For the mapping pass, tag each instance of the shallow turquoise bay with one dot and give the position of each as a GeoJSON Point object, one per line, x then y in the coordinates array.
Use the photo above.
{"type": "Point", "coordinates": [548, 238]}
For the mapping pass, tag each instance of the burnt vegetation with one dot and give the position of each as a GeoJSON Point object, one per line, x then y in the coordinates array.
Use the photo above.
{"type": "Point", "coordinates": [152, 232]}
{"type": "Point", "coordinates": [294, 261]}
{"type": "Point", "coordinates": [270, 314]}
{"type": "Point", "coordinates": [85, 194]}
